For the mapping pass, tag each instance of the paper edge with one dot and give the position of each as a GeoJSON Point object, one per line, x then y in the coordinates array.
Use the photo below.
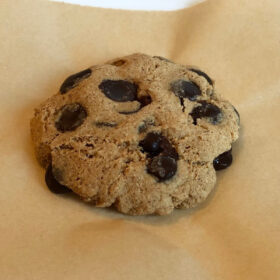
{"type": "Point", "coordinates": [143, 5]}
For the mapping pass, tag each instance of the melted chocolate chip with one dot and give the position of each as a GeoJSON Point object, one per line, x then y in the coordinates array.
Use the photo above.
{"type": "Point", "coordinates": [223, 161]}
{"type": "Point", "coordinates": [163, 167]}
{"type": "Point", "coordinates": [73, 80]}
{"type": "Point", "coordinates": [185, 89]}
{"type": "Point", "coordinates": [151, 143]}
{"type": "Point", "coordinates": [206, 110]}
{"type": "Point", "coordinates": [119, 90]}
{"type": "Point", "coordinates": [71, 117]}
{"type": "Point", "coordinates": [201, 73]}
{"type": "Point", "coordinates": [53, 185]}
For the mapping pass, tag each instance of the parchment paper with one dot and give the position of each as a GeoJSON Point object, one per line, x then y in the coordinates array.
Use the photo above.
{"type": "Point", "coordinates": [234, 235]}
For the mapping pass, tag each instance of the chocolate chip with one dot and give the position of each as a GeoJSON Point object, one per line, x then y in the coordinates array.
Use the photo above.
{"type": "Point", "coordinates": [144, 100]}
{"type": "Point", "coordinates": [119, 90]}
{"type": "Point", "coordinates": [119, 62]}
{"type": "Point", "coordinates": [163, 167]}
{"type": "Point", "coordinates": [206, 110]}
{"type": "Point", "coordinates": [73, 80]}
{"type": "Point", "coordinates": [167, 149]}
{"type": "Point", "coordinates": [185, 89]}
{"type": "Point", "coordinates": [162, 154]}
{"type": "Point", "coordinates": [151, 143]}
{"type": "Point", "coordinates": [223, 161]}
{"type": "Point", "coordinates": [155, 143]}
{"type": "Point", "coordinates": [53, 185]}
{"type": "Point", "coordinates": [71, 117]}
{"type": "Point", "coordinates": [182, 104]}
{"type": "Point", "coordinates": [199, 72]}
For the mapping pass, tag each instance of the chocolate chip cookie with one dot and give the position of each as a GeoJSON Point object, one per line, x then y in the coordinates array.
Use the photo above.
{"type": "Point", "coordinates": [140, 133]}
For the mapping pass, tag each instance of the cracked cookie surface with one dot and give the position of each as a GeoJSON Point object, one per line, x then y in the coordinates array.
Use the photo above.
{"type": "Point", "coordinates": [140, 133]}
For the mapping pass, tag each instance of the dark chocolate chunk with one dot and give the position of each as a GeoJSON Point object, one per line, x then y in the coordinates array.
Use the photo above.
{"type": "Point", "coordinates": [223, 161]}
{"type": "Point", "coordinates": [185, 89]}
{"type": "Point", "coordinates": [201, 73]}
{"type": "Point", "coordinates": [151, 143]}
{"type": "Point", "coordinates": [206, 110]}
{"type": "Point", "coordinates": [119, 90]}
{"type": "Point", "coordinates": [71, 117]}
{"type": "Point", "coordinates": [163, 167]}
{"type": "Point", "coordinates": [53, 185]}
{"type": "Point", "coordinates": [73, 80]}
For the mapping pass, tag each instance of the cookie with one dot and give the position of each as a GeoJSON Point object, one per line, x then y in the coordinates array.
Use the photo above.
{"type": "Point", "coordinates": [140, 133]}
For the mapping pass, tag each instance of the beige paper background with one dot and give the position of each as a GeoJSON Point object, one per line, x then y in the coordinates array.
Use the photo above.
{"type": "Point", "coordinates": [234, 235]}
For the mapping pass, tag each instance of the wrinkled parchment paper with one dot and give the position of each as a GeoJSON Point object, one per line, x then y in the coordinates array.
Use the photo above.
{"type": "Point", "coordinates": [234, 235]}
